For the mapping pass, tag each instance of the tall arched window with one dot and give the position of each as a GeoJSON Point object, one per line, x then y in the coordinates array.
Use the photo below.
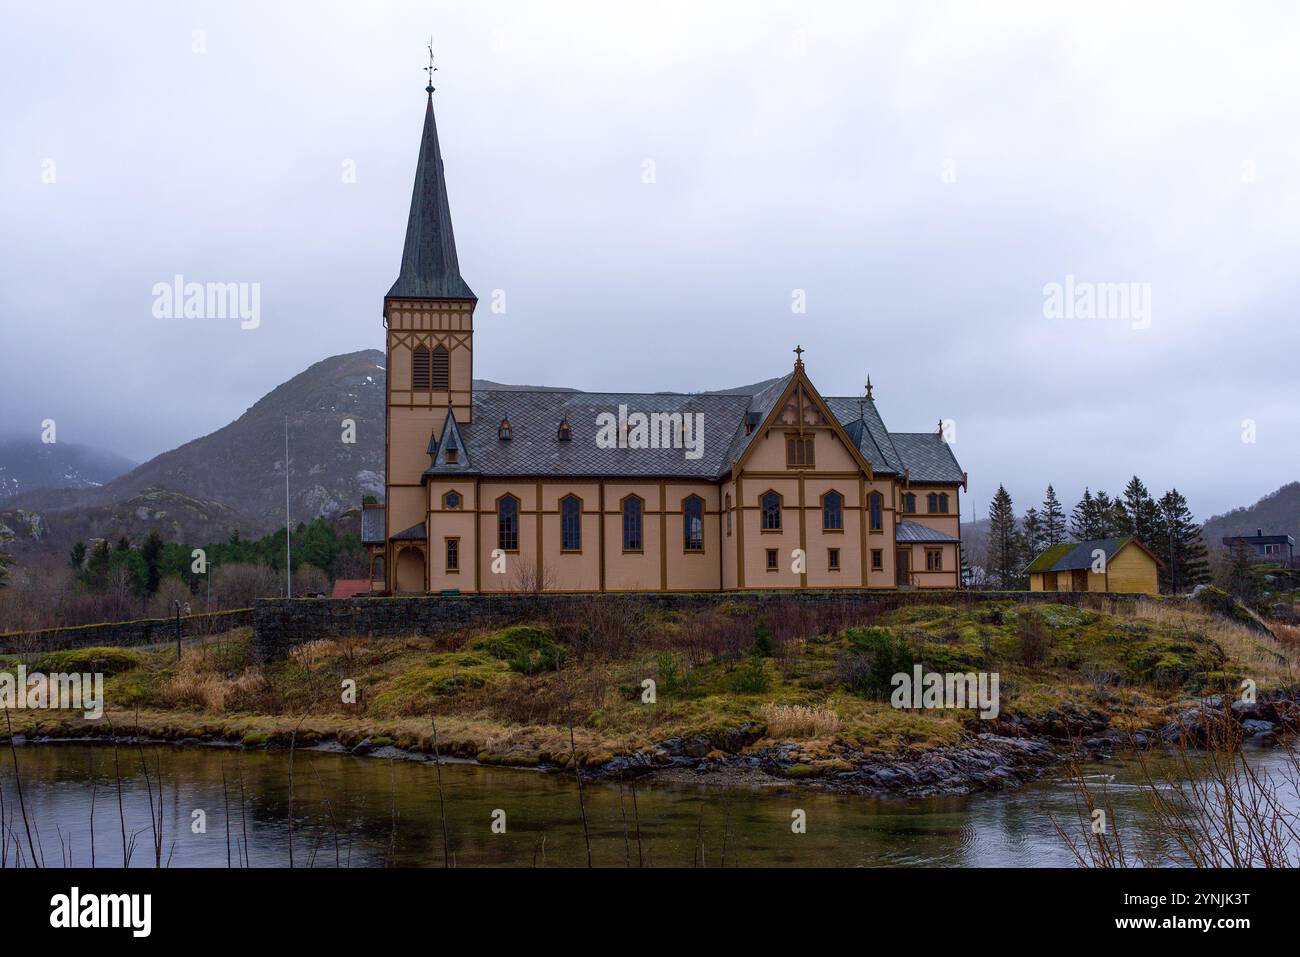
{"type": "Point", "coordinates": [932, 502]}
{"type": "Point", "coordinates": [570, 524]}
{"type": "Point", "coordinates": [441, 377]}
{"type": "Point", "coordinates": [943, 502]}
{"type": "Point", "coordinates": [508, 523]}
{"type": "Point", "coordinates": [420, 369]}
{"type": "Point", "coordinates": [632, 540]}
{"type": "Point", "coordinates": [877, 505]}
{"type": "Point", "coordinates": [693, 523]}
{"type": "Point", "coordinates": [909, 502]}
{"type": "Point", "coordinates": [833, 512]}
{"type": "Point", "coordinates": [771, 502]}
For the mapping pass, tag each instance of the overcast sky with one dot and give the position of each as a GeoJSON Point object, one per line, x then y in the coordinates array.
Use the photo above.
{"type": "Point", "coordinates": [921, 171]}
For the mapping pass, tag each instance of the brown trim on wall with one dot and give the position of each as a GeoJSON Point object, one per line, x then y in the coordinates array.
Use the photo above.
{"type": "Point", "coordinates": [863, 517]}
{"type": "Point", "coordinates": [601, 534]}
{"type": "Point", "coordinates": [663, 535]}
{"type": "Point", "coordinates": [538, 519]}
{"type": "Point", "coordinates": [478, 537]}
{"type": "Point", "coordinates": [740, 533]}
{"type": "Point", "coordinates": [803, 522]}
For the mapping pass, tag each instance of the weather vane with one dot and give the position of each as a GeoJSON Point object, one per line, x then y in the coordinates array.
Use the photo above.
{"type": "Point", "coordinates": [430, 69]}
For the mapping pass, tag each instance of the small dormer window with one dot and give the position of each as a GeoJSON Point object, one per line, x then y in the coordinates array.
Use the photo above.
{"type": "Point", "coordinates": [453, 455]}
{"type": "Point", "coordinates": [565, 431]}
{"type": "Point", "coordinates": [504, 432]}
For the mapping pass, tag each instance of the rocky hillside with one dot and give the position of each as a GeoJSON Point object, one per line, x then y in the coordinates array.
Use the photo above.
{"type": "Point", "coordinates": [27, 464]}
{"type": "Point", "coordinates": [1277, 513]}
{"type": "Point", "coordinates": [240, 467]}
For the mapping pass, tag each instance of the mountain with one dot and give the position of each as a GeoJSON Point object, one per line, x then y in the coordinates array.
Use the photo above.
{"type": "Point", "coordinates": [233, 478]}
{"type": "Point", "coordinates": [27, 464]}
{"type": "Point", "coordinates": [1277, 513]}
{"type": "Point", "coordinates": [174, 515]}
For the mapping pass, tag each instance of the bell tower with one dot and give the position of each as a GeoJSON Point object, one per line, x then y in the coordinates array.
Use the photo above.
{"type": "Point", "coordinates": [429, 318]}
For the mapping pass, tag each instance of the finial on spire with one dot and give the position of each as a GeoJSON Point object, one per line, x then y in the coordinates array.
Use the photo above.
{"type": "Point", "coordinates": [868, 387]}
{"type": "Point", "coordinates": [430, 69]}
{"type": "Point", "coordinates": [798, 357]}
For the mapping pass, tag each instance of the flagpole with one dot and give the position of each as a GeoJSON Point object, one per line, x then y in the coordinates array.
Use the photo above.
{"type": "Point", "coordinates": [288, 558]}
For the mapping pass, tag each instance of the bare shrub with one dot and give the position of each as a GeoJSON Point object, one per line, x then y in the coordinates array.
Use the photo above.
{"type": "Point", "coordinates": [1033, 635]}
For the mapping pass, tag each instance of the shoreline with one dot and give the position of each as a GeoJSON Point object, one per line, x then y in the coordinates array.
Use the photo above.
{"type": "Point", "coordinates": [1012, 752]}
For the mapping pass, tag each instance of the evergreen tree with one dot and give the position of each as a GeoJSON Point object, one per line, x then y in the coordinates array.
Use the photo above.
{"type": "Point", "coordinates": [151, 552]}
{"type": "Point", "coordinates": [1005, 546]}
{"type": "Point", "coordinates": [1180, 546]}
{"type": "Point", "coordinates": [6, 560]}
{"type": "Point", "coordinates": [1083, 520]}
{"type": "Point", "coordinates": [124, 544]}
{"type": "Point", "coordinates": [1136, 513]}
{"type": "Point", "coordinates": [77, 557]}
{"type": "Point", "coordinates": [1053, 518]}
{"type": "Point", "coordinates": [1105, 521]}
{"type": "Point", "coordinates": [96, 574]}
{"type": "Point", "coordinates": [1032, 534]}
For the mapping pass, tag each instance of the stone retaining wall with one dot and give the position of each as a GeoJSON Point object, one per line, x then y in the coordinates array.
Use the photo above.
{"type": "Point", "coordinates": [281, 624]}
{"type": "Point", "coordinates": [145, 631]}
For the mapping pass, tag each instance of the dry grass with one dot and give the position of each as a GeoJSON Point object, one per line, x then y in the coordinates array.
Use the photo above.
{"type": "Point", "coordinates": [799, 721]}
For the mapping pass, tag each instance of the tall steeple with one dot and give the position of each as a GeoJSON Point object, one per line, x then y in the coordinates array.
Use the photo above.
{"type": "Point", "coordinates": [429, 266]}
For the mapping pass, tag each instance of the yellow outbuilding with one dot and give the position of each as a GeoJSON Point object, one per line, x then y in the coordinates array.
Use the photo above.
{"type": "Point", "coordinates": [1102, 565]}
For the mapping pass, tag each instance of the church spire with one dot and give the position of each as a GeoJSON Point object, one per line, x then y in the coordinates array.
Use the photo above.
{"type": "Point", "coordinates": [429, 266]}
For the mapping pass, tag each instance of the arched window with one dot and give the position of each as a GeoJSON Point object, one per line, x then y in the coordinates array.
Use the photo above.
{"type": "Point", "coordinates": [932, 502]}
{"type": "Point", "coordinates": [508, 523]}
{"type": "Point", "coordinates": [727, 508]}
{"type": "Point", "coordinates": [504, 432]}
{"type": "Point", "coordinates": [943, 502]}
{"type": "Point", "coordinates": [570, 524]}
{"type": "Point", "coordinates": [632, 540]}
{"type": "Point", "coordinates": [833, 512]}
{"type": "Point", "coordinates": [441, 376]}
{"type": "Point", "coordinates": [771, 502]}
{"type": "Point", "coordinates": [693, 523]}
{"type": "Point", "coordinates": [877, 505]}
{"type": "Point", "coordinates": [909, 502]}
{"type": "Point", "coordinates": [565, 432]}
{"type": "Point", "coordinates": [420, 369]}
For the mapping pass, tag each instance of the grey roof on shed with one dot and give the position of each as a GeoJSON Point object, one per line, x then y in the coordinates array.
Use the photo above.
{"type": "Point", "coordinates": [534, 448]}
{"type": "Point", "coordinates": [908, 531]}
{"type": "Point", "coordinates": [372, 526]}
{"type": "Point", "coordinates": [1060, 558]}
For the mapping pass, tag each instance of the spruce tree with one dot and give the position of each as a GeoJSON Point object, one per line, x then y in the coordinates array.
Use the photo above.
{"type": "Point", "coordinates": [1180, 546]}
{"type": "Point", "coordinates": [1053, 518]}
{"type": "Point", "coordinates": [1005, 546]}
{"type": "Point", "coordinates": [1083, 520]}
{"type": "Point", "coordinates": [1136, 513]}
{"type": "Point", "coordinates": [1105, 519]}
{"type": "Point", "coordinates": [77, 557]}
{"type": "Point", "coordinates": [1032, 534]}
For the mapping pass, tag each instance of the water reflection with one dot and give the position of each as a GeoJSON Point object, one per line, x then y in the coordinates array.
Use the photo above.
{"type": "Point", "coordinates": [355, 812]}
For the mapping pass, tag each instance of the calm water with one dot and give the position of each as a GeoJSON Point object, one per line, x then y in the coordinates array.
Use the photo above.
{"type": "Point", "coordinates": [372, 812]}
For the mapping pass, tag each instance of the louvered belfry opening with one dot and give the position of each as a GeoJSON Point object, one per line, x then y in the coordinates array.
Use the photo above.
{"type": "Point", "coordinates": [441, 373]}
{"type": "Point", "coordinates": [420, 369]}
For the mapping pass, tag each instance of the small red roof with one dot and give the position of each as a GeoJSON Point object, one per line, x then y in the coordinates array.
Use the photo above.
{"type": "Point", "coordinates": [350, 587]}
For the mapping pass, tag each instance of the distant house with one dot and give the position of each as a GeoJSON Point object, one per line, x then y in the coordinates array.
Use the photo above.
{"type": "Point", "coordinates": [1265, 548]}
{"type": "Point", "coordinates": [1101, 565]}
{"type": "Point", "coordinates": [350, 587]}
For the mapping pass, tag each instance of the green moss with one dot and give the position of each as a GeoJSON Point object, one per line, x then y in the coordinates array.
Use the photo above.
{"type": "Point", "coordinates": [106, 661]}
{"type": "Point", "coordinates": [801, 771]}
{"type": "Point", "coordinates": [255, 739]}
{"type": "Point", "coordinates": [527, 649]}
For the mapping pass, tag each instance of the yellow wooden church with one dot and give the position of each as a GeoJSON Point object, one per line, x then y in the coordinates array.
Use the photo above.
{"type": "Point", "coordinates": [774, 486]}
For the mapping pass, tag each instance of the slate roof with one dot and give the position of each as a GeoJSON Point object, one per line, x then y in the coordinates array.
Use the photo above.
{"type": "Point", "coordinates": [535, 450]}
{"type": "Point", "coordinates": [372, 526]}
{"type": "Point", "coordinates": [927, 456]}
{"type": "Point", "coordinates": [1074, 556]}
{"type": "Point", "coordinates": [416, 533]}
{"type": "Point", "coordinates": [429, 266]}
{"type": "Point", "coordinates": [908, 531]}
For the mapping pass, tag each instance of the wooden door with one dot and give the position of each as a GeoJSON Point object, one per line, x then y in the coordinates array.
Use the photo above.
{"type": "Point", "coordinates": [903, 567]}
